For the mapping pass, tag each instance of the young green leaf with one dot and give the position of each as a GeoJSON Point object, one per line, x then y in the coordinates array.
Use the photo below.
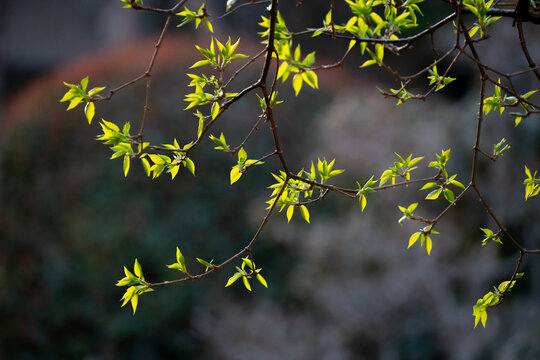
{"type": "Point", "coordinates": [235, 174]}
{"type": "Point", "coordinates": [434, 194]}
{"type": "Point", "coordinates": [305, 213]}
{"type": "Point", "coordinates": [414, 237]}
{"type": "Point", "coordinates": [90, 111]}
{"type": "Point", "coordinates": [233, 278]}
{"type": "Point", "coordinates": [297, 83]}
{"type": "Point", "coordinates": [290, 212]}
{"type": "Point", "coordinates": [137, 269]}
{"type": "Point", "coordinates": [205, 263]}
{"type": "Point", "coordinates": [449, 195]}
{"type": "Point", "coordinates": [146, 166]}
{"type": "Point", "coordinates": [190, 165]}
{"type": "Point", "coordinates": [246, 282]}
{"type": "Point", "coordinates": [215, 110]}
{"type": "Point", "coordinates": [126, 165]}
{"type": "Point", "coordinates": [428, 245]}
{"type": "Point", "coordinates": [363, 202]}
{"type": "Point", "coordinates": [262, 280]}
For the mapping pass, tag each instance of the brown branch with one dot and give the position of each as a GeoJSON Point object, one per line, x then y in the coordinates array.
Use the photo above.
{"type": "Point", "coordinates": [337, 64]}
{"type": "Point", "coordinates": [251, 132]}
{"type": "Point", "coordinates": [149, 68]}
{"type": "Point", "coordinates": [452, 204]}
{"type": "Point", "coordinates": [270, 50]}
{"type": "Point", "coordinates": [532, 65]}
{"type": "Point", "coordinates": [241, 68]}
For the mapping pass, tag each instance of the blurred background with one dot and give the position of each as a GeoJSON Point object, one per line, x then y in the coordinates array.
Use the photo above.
{"type": "Point", "coordinates": [344, 287]}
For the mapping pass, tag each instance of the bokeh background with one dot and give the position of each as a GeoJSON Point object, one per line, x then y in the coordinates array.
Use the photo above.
{"type": "Point", "coordinates": [344, 287]}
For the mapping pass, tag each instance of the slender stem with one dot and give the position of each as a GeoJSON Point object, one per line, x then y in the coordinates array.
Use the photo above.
{"type": "Point", "coordinates": [523, 44]}
{"type": "Point", "coordinates": [478, 132]}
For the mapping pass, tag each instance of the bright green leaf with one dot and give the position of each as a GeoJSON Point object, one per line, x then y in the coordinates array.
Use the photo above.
{"type": "Point", "coordinates": [262, 280]}
{"type": "Point", "coordinates": [215, 110]}
{"type": "Point", "coordinates": [246, 282]}
{"type": "Point", "coordinates": [290, 212]}
{"type": "Point", "coordinates": [297, 83]}
{"type": "Point", "coordinates": [89, 111]}
{"type": "Point", "coordinates": [414, 237]}
{"type": "Point", "coordinates": [146, 166]}
{"type": "Point", "coordinates": [137, 269]}
{"type": "Point", "coordinates": [434, 194]}
{"type": "Point", "coordinates": [233, 278]}
{"type": "Point", "coordinates": [363, 201]}
{"type": "Point", "coordinates": [305, 213]}
{"type": "Point", "coordinates": [190, 165]}
{"type": "Point", "coordinates": [449, 195]}
{"type": "Point", "coordinates": [205, 263]}
{"type": "Point", "coordinates": [134, 302]}
{"type": "Point", "coordinates": [235, 174]}
{"type": "Point", "coordinates": [126, 164]}
{"type": "Point", "coordinates": [428, 244]}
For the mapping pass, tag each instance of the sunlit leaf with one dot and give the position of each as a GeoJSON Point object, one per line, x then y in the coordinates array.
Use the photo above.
{"type": "Point", "coordinates": [428, 244]}
{"type": "Point", "coordinates": [146, 166]}
{"type": "Point", "coordinates": [297, 83]}
{"type": "Point", "coordinates": [126, 164]}
{"type": "Point", "coordinates": [290, 212]}
{"type": "Point", "coordinates": [262, 280]}
{"type": "Point", "coordinates": [137, 268]}
{"type": "Point", "coordinates": [89, 111]}
{"type": "Point", "coordinates": [205, 263]}
{"type": "Point", "coordinates": [434, 194]}
{"type": "Point", "coordinates": [190, 165]}
{"type": "Point", "coordinates": [134, 302]}
{"type": "Point", "coordinates": [363, 202]}
{"type": "Point", "coordinates": [235, 174]}
{"type": "Point", "coordinates": [233, 278]}
{"type": "Point", "coordinates": [215, 110]}
{"type": "Point", "coordinates": [414, 237]}
{"type": "Point", "coordinates": [246, 282]}
{"type": "Point", "coordinates": [305, 213]}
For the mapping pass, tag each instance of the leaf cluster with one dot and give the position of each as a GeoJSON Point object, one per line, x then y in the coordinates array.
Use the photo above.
{"type": "Point", "coordinates": [402, 169]}
{"type": "Point", "coordinates": [287, 193]}
{"type": "Point", "coordinates": [180, 263]}
{"type": "Point", "coordinates": [440, 81]}
{"type": "Point", "coordinates": [171, 164]}
{"type": "Point", "coordinates": [292, 61]}
{"type": "Point", "coordinates": [218, 59]}
{"type": "Point", "coordinates": [363, 190]}
{"type": "Point", "coordinates": [198, 16]}
{"type": "Point", "coordinates": [424, 236]}
{"type": "Point", "coordinates": [247, 274]}
{"type": "Point", "coordinates": [121, 142]}
{"type": "Point", "coordinates": [136, 283]}
{"type": "Point", "coordinates": [444, 182]}
{"type": "Point", "coordinates": [480, 9]}
{"type": "Point", "coordinates": [77, 94]}
{"type": "Point", "coordinates": [243, 164]}
{"type": "Point", "coordinates": [200, 97]}
{"type": "Point", "coordinates": [491, 299]}
{"type": "Point", "coordinates": [532, 184]}
{"type": "Point", "coordinates": [490, 236]}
